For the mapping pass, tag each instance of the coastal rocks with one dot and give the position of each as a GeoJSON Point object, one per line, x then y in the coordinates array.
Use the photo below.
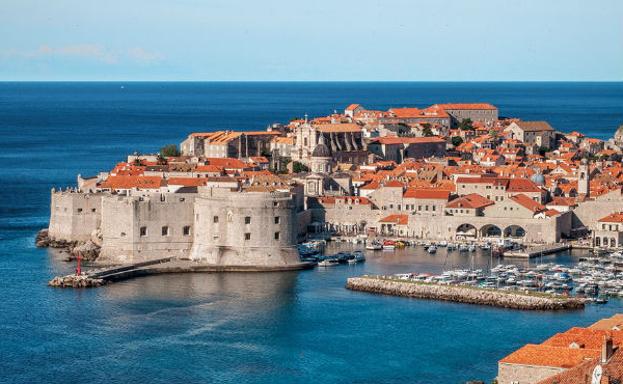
{"type": "Point", "coordinates": [75, 281]}
{"type": "Point", "coordinates": [43, 240]}
{"type": "Point", "coordinates": [89, 251]}
{"type": "Point", "coordinates": [459, 294]}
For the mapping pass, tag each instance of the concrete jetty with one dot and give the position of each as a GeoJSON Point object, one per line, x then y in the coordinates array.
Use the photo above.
{"type": "Point", "coordinates": [462, 294]}
{"type": "Point", "coordinates": [538, 250]}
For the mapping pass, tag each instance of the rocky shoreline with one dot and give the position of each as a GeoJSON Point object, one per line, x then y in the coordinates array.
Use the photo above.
{"type": "Point", "coordinates": [89, 250]}
{"type": "Point", "coordinates": [76, 281]}
{"type": "Point", "coordinates": [460, 294]}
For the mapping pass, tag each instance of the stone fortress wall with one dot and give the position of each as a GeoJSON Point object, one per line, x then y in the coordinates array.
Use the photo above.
{"type": "Point", "coordinates": [245, 228]}
{"type": "Point", "coordinates": [74, 216]}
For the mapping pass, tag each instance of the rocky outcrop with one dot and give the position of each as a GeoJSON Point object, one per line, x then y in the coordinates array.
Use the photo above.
{"type": "Point", "coordinates": [461, 294]}
{"type": "Point", "coordinates": [75, 281]}
{"type": "Point", "coordinates": [90, 250]}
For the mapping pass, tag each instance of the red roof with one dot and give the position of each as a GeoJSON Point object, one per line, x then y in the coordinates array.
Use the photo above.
{"type": "Point", "coordinates": [546, 356]}
{"type": "Point", "coordinates": [187, 181]}
{"type": "Point", "coordinates": [408, 140]}
{"type": "Point", "coordinates": [393, 184]}
{"type": "Point", "coordinates": [528, 203]}
{"type": "Point", "coordinates": [426, 194]}
{"type": "Point", "coordinates": [130, 182]}
{"type": "Point", "coordinates": [476, 106]}
{"type": "Point", "coordinates": [473, 200]}
{"type": "Point", "coordinates": [616, 217]}
{"type": "Point", "coordinates": [522, 185]}
{"type": "Point", "coordinates": [396, 219]}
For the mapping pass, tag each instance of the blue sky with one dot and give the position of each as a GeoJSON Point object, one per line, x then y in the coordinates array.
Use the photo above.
{"type": "Point", "coordinates": [433, 40]}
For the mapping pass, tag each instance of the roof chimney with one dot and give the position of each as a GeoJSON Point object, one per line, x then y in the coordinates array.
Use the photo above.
{"type": "Point", "coordinates": [607, 349]}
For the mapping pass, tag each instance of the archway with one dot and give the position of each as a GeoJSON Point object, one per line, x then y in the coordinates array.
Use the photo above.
{"type": "Point", "coordinates": [466, 230]}
{"type": "Point", "coordinates": [514, 231]}
{"type": "Point", "coordinates": [490, 230]}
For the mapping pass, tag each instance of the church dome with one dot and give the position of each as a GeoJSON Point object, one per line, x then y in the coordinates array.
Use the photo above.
{"type": "Point", "coordinates": [321, 150]}
{"type": "Point", "coordinates": [538, 179]}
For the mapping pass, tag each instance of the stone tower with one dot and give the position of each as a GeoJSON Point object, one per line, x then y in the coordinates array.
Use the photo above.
{"type": "Point", "coordinates": [321, 157]}
{"type": "Point", "coordinates": [583, 179]}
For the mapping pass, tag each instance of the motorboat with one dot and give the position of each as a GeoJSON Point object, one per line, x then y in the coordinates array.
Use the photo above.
{"type": "Point", "coordinates": [389, 245]}
{"type": "Point", "coordinates": [432, 249]}
{"type": "Point", "coordinates": [328, 263]}
{"type": "Point", "coordinates": [374, 245]}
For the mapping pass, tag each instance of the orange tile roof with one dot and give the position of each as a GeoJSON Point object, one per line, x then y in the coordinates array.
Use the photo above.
{"type": "Point", "coordinates": [187, 181]}
{"type": "Point", "coordinates": [472, 200]}
{"type": "Point", "coordinates": [396, 219]}
{"type": "Point", "coordinates": [352, 107]}
{"type": "Point", "coordinates": [130, 182]}
{"type": "Point", "coordinates": [522, 185]}
{"type": "Point", "coordinates": [415, 193]}
{"type": "Point", "coordinates": [616, 217]}
{"type": "Point", "coordinates": [338, 128]}
{"type": "Point", "coordinates": [528, 203]}
{"type": "Point", "coordinates": [407, 140]}
{"type": "Point", "coordinates": [485, 106]}
{"type": "Point", "coordinates": [547, 356]}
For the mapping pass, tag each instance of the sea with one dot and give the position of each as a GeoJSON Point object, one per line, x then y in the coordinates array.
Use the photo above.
{"type": "Point", "coordinates": [294, 327]}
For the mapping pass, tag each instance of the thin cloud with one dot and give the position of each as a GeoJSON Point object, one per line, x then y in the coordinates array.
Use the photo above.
{"type": "Point", "coordinates": [142, 55]}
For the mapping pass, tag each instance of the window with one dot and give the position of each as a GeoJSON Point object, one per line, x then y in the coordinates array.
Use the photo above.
{"type": "Point", "coordinates": [276, 219]}
{"type": "Point", "coordinates": [165, 231]}
{"type": "Point", "coordinates": [247, 236]}
{"type": "Point", "coordinates": [79, 210]}
{"type": "Point", "coordinates": [186, 230]}
{"type": "Point", "coordinates": [215, 219]}
{"type": "Point", "coordinates": [93, 209]}
{"type": "Point", "coordinates": [247, 219]}
{"type": "Point", "coordinates": [143, 231]}
{"type": "Point", "coordinates": [276, 235]}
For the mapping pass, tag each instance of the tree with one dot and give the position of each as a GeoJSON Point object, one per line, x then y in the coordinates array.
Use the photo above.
{"type": "Point", "coordinates": [427, 131]}
{"type": "Point", "coordinates": [466, 125]}
{"type": "Point", "coordinates": [169, 150]}
{"type": "Point", "coordinates": [456, 141]}
{"type": "Point", "coordinates": [298, 167]}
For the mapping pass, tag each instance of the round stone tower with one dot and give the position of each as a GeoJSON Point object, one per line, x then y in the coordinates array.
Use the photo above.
{"type": "Point", "coordinates": [240, 230]}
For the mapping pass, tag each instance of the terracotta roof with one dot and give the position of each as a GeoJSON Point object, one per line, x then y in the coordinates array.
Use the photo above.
{"type": "Point", "coordinates": [338, 128]}
{"type": "Point", "coordinates": [407, 140]}
{"type": "Point", "coordinates": [483, 180]}
{"type": "Point", "coordinates": [426, 194]}
{"type": "Point", "coordinates": [393, 184]}
{"type": "Point", "coordinates": [130, 182]}
{"type": "Point", "coordinates": [396, 219]}
{"type": "Point", "coordinates": [583, 338]}
{"type": "Point", "coordinates": [547, 356]}
{"type": "Point", "coordinates": [616, 217]}
{"type": "Point", "coordinates": [473, 200]}
{"type": "Point", "coordinates": [187, 181]}
{"type": "Point", "coordinates": [534, 126]}
{"type": "Point", "coordinates": [468, 106]}
{"type": "Point", "coordinates": [612, 372]}
{"type": "Point", "coordinates": [227, 162]}
{"type": "Point", "coordinates": [528, 203]}
{"type": "Point", "coordinates": [615, 321]}
{"type": "Point", "coordinates": [522, 185]}
{"type": "Point", "coordinates": [352, 107]}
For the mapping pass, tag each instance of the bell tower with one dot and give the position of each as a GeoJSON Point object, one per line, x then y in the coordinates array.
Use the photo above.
{"type": "Point", "coordinates": [583, 179]}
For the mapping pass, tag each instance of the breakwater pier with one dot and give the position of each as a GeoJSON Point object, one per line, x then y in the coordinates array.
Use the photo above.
{"type": "Point", "coordinates": [390, 285]}
{"type": "Point", "coordinates": [537, 250]}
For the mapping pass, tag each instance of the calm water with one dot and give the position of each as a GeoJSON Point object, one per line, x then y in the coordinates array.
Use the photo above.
{"type": "Point", "coordinates": [243, 328]}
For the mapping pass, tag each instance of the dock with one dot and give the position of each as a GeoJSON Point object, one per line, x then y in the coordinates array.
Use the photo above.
{"type": "Point", "coordinates": [538, 250]}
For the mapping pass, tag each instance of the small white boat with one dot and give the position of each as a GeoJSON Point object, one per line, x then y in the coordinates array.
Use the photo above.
{"type": "Point", "coordinates": [328, 263]}
{"type": "Point", "coordinates": [432, 249]}
{"type": "Point", "coordinates": [471, 248]}
{"type": "Point", "coordinates": [443, 243]}
{"type": "Point", "coordinates": [463, 248]}
{"type": "Point", "coordinates": [374, 246]}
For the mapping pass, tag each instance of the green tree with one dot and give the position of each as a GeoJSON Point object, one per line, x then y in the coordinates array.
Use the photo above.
{"type": "Point", "coordinates": [457, 140]}
{"type": "Point", "coordinates": [427, 131]}
{"type": "Point", "coordinates": [169, 150]}
{"type": "Point", "coordinates": [298, 167]}
{"type": "Point", "coordinates": [466, 125]}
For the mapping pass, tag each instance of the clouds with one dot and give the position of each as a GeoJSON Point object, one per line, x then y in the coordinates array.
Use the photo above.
{"type": "Point", "coordinates": [84, 52]}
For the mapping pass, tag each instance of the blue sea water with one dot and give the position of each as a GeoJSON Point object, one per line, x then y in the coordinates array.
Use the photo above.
{"type": "Point", "coordinates": [245, 328]}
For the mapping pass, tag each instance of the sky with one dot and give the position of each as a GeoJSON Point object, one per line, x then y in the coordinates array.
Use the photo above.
{"type": "Point", "coordinates": [315, 40]}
